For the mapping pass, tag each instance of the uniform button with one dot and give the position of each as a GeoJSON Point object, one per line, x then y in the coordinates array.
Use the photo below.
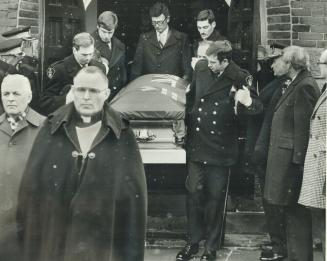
{"type": "Point", "coordinates": [214, 112]}
{"type": "Point", "coordinates": [205, 163]}
{"type": "Point", "coordinates": [200, 109]}
{"type": "Point", "coordinates": [214, 122]}
{"type": "Point", "coordinates": [91, 155]}
{"type": "Point", "coordinates": [199, 119]}
{"type": "Point", "coordinates": [197, 129]}
{"type": "Point", "coordinates": [216, 103]}
{"type": "Point", "coordinates": [212, 132]}
{"type": "Point", "coordinates": [202, 100]}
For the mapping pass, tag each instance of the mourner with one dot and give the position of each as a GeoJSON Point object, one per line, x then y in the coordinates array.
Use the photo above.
{"type": "Point", "coordinates": [162, 50]}
{"type": "Point", "coordinates": [206, 25]}
{"type": "Point", "coordinates": [18, 127]}
{"type": "Point", "coordinates": [288, 143]}
{"type": "Point", "coordinates": [60, 74]}
{"type": "Point", "coordinates": [112, 51]}
{"type": "Point", "coordinates": [313, 191]}
{"type": "Point", "coordinates": [19, 53]}
{"type": "Point", "coordinates": [83, 195]}
{"type": "Point", "coordinates": [257, 145]}
{"type": "Point", "coordinates": [217, 96]}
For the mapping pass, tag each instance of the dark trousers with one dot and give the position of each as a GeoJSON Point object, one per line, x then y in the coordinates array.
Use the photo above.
{"type": "Point", "coordinates": [319, 220]}
{"type": "Point", "coordinates": [206, 185]}
{"type": "Point", "coordinates": [274, 217]}
{"type": "Point", "coordinates": [298, 233]}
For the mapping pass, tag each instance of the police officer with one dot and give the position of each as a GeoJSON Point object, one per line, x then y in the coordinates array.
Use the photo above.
{"type": "Point", "coordinates": [60, 74]}
{"type": "Point", "coordinates": [162, 50]}
{"type": "Point", "coordinates": [112, 51]}
{"type": "Point", "coordinates": [217, 96]}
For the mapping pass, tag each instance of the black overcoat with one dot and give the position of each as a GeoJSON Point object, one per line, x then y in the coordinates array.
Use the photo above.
{"type": "Point", "coordinates": [212, 134]}
{"type": "Point", "coordinates": [72, 208]}
{"type": "Point", "coordinates": [174, 58]}
{"type": "Point", "coordinates": [289, 140]}
{"type": "Point", "coordinates": [116, 57]}
{"type": "Point", "coordinates": [60, 77]}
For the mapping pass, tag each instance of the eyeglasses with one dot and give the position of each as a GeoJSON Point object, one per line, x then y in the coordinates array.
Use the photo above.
{"type": "Point", "coordinates": [80, 91]}
{"type": "Point", "coordinates": [159, 22]}
{"type": "Point", "coordinates": [104, 31]}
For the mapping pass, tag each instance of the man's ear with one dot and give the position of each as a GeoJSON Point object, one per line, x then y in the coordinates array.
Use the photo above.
{"type": "Point", "coordinates": [29, 98]}
{"type": "Point", "coordinates": [213, 24]}
{"type": "Point", "coordinates": [107, 93]}
{"type": "Point", "coordinates": [168, 19]}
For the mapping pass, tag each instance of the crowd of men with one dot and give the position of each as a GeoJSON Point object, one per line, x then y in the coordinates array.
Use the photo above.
{"type": "Point", "coordinates": [72, 185]}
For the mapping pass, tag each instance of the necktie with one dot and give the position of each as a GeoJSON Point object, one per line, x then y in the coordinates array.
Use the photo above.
{"type": "Point", "coordinates": [161, 40]}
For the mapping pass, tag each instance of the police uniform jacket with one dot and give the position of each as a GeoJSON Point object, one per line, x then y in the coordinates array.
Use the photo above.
{"type": "Point", "coordinates": [210, 118]}
{"type": "Point", "coordinates": [116, 57]}
{"type": "Point", "coordinates": [60, 78]}
{"type": "Point", "coordinates": [174, 58]}
{"type": "Point", "coordinates": [74, 208]}
{"type": "Point", "coordinates": [289, 139]}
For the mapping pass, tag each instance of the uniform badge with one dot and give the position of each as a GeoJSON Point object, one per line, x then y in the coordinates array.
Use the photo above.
{"type": "Point", "coordinates": [51, 72]}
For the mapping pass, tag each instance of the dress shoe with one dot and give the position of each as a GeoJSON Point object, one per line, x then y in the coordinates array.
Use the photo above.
{"type": "Point", "coordinates": [187, 252]}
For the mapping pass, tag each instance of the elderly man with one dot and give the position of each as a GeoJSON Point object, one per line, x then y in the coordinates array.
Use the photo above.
{"type": "Point", "coordinates": [163, 50]}
{"type": "Point", "coordinates": [60, 74]}
{"type": "Point", "coordinates": [112, 51]}
{"type": "Point", "coordinates": [83, 194]}
{"type": "Point", "coordinates": [19, 126]}
{"type": "Point", "coordinates": [313, 191]}
{"type": "Point", "coordinates": [288, 143]}
{"type": "Point", "coordinates": [217, 94]}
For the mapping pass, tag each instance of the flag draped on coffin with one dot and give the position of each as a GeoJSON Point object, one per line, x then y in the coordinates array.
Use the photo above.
{"type": "Point", "coordinates": [152, 96]}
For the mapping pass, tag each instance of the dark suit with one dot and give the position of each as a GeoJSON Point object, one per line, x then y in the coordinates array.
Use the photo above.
{"type": "Point", "coordinates": [211, 148]}
{"type": "Point", "coordinates": [174, 58]}
{"type": "Point", "coordinates": [60, 78]}
{"type": "Point", "coordinates": [116, 57]}
{"type": "Point", "coordinates": [288, 143]}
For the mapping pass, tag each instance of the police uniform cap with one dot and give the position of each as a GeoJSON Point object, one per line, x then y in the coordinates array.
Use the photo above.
{"type": "Point", "coordinates": [276, 50]}
{"type": "Point", "coordinates": [9, 45]}
{"type": "Point", "coordinates": [108, 20]}
{"type": "Point", "coordinates": [16, 32]}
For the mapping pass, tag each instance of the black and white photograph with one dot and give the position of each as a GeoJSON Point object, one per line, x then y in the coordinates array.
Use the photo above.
{"type": "Point", "coordinates": [163, 130]}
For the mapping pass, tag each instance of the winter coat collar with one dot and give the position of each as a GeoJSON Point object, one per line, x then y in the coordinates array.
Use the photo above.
{"type": "Point", "coordinates": [32, 117]}
{"type": "Point", "coordinates": [110, 118]}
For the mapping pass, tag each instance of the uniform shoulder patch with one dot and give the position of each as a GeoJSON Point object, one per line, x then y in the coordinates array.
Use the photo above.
{"type": "Point", "coordinates": [51, 72]}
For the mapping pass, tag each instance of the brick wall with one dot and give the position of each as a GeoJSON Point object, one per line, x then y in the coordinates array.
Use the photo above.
{"type": "Point", "coordinates": [15, 13]}
{"type": "Point", "coordinates": [298, 22]}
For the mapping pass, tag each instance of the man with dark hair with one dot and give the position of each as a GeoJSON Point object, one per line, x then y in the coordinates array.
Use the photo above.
{"type": "Point", "coordinates": [83, 195]}
{"type": "Point", "coordinates": [163, 50]}
{"type": "Point", "coordinates": [219, 93]}
{"type": "Point", "coordinates": [206, 24]}
{"type": "Point", "coordinates": [112, 51]}
{"type": "Point", "coordinates": [60, 74]}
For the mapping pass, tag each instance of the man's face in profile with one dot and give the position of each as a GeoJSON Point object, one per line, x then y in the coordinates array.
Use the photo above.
{"type": "Point", "coordinates": [90, 92]}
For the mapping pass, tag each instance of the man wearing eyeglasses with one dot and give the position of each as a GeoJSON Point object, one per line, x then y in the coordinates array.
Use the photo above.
{"type": "Point", "coordinates": [60, 74]}
{"type": "Point", "coordinates": [162, 50]}
{"type": "Point", "coordinates": [83, 195]}
{"type": "Point", "coordinates": [112, 51]}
